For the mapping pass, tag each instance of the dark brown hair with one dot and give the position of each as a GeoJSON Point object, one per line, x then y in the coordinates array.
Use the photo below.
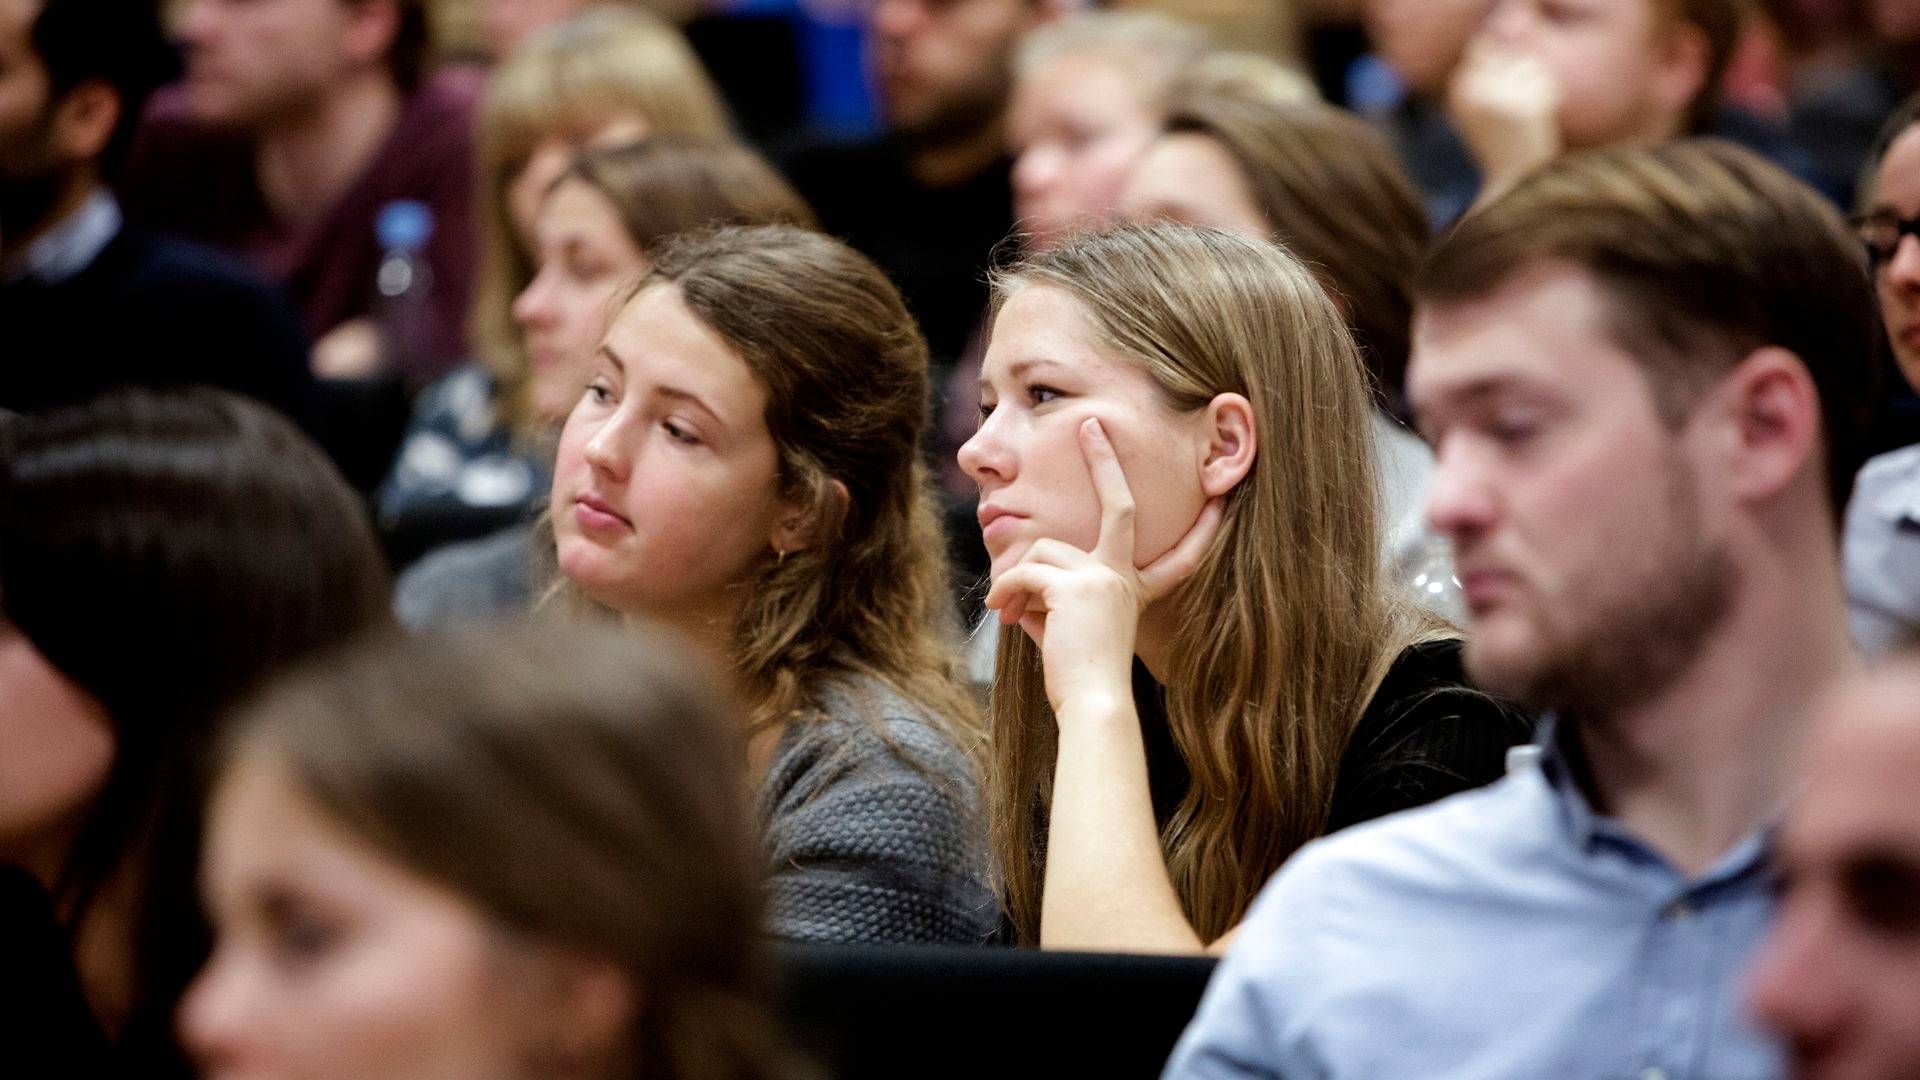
{"type": "Point", "coordinates": [1706, 252]}
{"type": "Point", "coordinates": [582, 789]}
{"type": "Point", "coordinates": [1333, 194]}
{"type": "Point", "coordinates": [1720, 22]}
{"type": "Point", "coordinates": [845, 370]}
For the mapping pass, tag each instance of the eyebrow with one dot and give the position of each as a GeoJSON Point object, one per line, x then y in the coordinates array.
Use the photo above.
{"type": "Point", "coordinates": [673, 392]}
{"type": "Point", "coordinates": [1019, 368]}
{"type": "Point", "coordinates": [1468, 394]}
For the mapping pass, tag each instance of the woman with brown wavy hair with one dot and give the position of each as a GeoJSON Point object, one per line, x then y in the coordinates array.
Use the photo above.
{"type": "Point", "coordinates": [745, 468]}
{"type": "Point", "coordinates": [1177, 490]}
{"type": "Point", "coordinates": [508, 854]}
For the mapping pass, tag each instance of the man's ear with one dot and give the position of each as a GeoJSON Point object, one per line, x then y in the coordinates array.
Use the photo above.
{"type": "Point", "coordinates": [1233, 441]}
{"type": "Point", "coordinates": [796, 524]}
{"type": "Point", "coordinates": [84, 121]}
{"type": "Point", "coordinates": [1681, 76]}
{"type": "Point", "coordinates": [1775, 427]}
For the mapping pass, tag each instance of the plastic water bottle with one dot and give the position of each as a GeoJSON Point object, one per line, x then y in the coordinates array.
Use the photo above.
{"type": "Point", "coordinates": [405, 286]}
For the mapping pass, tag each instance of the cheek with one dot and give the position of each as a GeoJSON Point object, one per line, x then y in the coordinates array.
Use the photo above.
{"type": "Point", "coordinates": [59, 745]}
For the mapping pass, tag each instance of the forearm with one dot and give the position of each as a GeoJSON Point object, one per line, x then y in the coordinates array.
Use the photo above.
{"type": "Point", "coordinates": [1106, 884]}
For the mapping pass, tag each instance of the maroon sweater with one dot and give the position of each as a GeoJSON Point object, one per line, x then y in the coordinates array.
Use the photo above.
{"type": "Point", "coordinates": [187, 178]}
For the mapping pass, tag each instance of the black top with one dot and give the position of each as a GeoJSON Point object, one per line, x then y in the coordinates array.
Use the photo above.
{"type": "Point", "coordinates": [1424, 736]}
{"type": "Point", "coordinates": [935, 243]}
{"type": "Point", "coordinates": [154, 312]}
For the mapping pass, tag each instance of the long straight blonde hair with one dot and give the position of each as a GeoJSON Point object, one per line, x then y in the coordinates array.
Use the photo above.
{"type": "Point", "coordinates": [1285, 630]}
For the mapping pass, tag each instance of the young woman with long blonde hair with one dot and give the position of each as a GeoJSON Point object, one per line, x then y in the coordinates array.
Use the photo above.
{"type": "Point", "coordinates": [745, 468]}
{"type": "Point", "coordinates": [1177, 491]}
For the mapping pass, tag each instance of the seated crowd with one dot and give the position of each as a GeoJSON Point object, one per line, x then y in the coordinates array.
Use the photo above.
{"type": "Point", "coordinates": [501, 577]}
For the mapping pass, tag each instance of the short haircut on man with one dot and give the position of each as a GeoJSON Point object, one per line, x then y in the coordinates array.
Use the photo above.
{"type": "Point", "coordinates": [116, 42]}
{"type": "Point", "coordinates": [1705, 253]}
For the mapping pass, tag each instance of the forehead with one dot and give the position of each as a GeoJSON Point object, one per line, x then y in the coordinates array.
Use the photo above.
{"type": "Point", "coordinates": [1043, 324]}
{"type": "Point", "coordinates": [1897, 183]}
{"type": "Point", "coordinates": [574, 202]}
{"type": "Point", "coordinates": [661, 341]}
{"type": "Point", "coordinates": [1865, 767]}
{"type": "Point", "coordinates": [1086, 84]}
{"type": "Point", "coordinates": [1547, 326]}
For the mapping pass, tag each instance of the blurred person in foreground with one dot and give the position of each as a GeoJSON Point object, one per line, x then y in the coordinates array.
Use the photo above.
{"type": "Point", "coordinates": [1839, 977]}
{"type": "Point", "coordinates": [160, 556]}
{"type": "Point", "coordinates": [1640, 371]}
{"type": "Point", "coordinates": [504, 854]}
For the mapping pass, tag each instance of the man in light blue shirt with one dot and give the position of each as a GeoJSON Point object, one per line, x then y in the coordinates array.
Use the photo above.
{"type": "Point", "coordinates": [1638, 369]}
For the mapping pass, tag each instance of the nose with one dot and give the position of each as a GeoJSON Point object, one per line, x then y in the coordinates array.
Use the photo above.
{"type": "Point", "coordinates": [1460, 500]}
{"type": "Point", "coordinates": [213, 1018]}
{"type": "Point", "coordinates": [1507, 22]}
{"type": "Point", "coordinates": [986, 458]}
{"type": "Point", "coordinates": [1036, 169]}
{"type": "Point", "coordinates": [196, 21]}
{"type": "Point", "coordinates": [533, 308]}
{"type": "Point", "coordinates": [1903, 269]}
{"type": "Point", "coordinates": [1798, 984]}
{"type": "Point", "coordinates": [610, 450]}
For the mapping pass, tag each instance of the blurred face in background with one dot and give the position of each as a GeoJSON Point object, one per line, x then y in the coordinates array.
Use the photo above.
{"type": "Point", "coordinates": [1839, 978]}
{"type": "Point", "coordinates": [1078, 125]}
{"type": "Point", "coordinates": [942, 67]}
{"type": "Point", "coordinates": [334, 960]}
{"type": "Point", "coordinates": [58, 745]}
{"type": "Point", "coordinates": [1423, 40]}
{"type": "Point", "coordinates": [585, 256]}
{"type": "Point", "coordinates": [527, 191]}
{"type": "Point", "coordinates": [1190, 178]}
{"type": "Point", "coordinates": [1627, 71]}
{"type": "Point", "coordinates": [257, 62]}
{"type": "Point", "coordinates": [1896, 258]}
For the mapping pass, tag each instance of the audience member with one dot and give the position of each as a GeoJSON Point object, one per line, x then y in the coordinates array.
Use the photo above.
{"type": "Point", "coordinates": [1639, 369]}
{"type": "Point", "coordinates": [1543, 77]}
{"type": "Point", "coordinates": [299, 124]}
{"type": "Point", "coordinates": [1183, 528]}
{"type": "Point", "coordinates": [516, 854]}
{"type": "Point", "coordinates": [86, 302]}
{"type": "Point", "coordinates": [1322, 184]}
{"type": "Point", "coordinates": [1089, 94]}
{"type": "Point", "coordinates": [745, 467]}
{"type": "Point", "coordinates": [1421, 42]}
{"type": "Point", "coordinates": [592, 235]}
{"type": "Point", "coordinates": [1882, 548]}
{"type": "Point", "coordinates": [928, 199]}
{"type": "Point", "coordinates": [158, 556]}
{"type": "Point", "coordinates": [1839, 975]}
{"type": "Point", "coordinates": [507, 24]}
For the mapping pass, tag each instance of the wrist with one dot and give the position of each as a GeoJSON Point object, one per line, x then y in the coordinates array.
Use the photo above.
{"type": "Point", "coordinates": [1098, 711]}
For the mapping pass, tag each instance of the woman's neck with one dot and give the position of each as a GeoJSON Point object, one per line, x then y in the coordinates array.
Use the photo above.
{"type": "Point", "coordinates": [1153, 640]}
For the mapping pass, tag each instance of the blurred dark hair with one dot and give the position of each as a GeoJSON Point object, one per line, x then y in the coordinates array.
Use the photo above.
{"type": "Point", "coordinates": [118, 42]}
{"type": "Point", "coordinates": [412, 43]}
{"type": "Point", "coordinates": [165, 552]}
{"type": "Point", "coordinates": [1896, 125]}
{"type": "Point", "coordinates": [670, 184]}
{"type": "Point", "coordinates": [583, 789]}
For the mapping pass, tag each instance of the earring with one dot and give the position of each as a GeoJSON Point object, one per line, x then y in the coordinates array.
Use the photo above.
{"type": "Point", "coordinates": [780, 556]}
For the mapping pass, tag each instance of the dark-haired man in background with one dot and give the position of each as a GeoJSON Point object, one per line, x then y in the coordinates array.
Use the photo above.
{"type": "Point", "coordinates": [87, 303]}
{"type": "Point", "coordinates": [299, 122]}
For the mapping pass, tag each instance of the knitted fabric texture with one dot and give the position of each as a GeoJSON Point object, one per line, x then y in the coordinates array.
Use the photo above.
{"type": "Point", "coordinates": [873, 826]}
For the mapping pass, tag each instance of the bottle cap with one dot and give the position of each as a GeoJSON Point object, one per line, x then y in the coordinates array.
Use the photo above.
{"type": "Point", "coordinates": [404, 224]}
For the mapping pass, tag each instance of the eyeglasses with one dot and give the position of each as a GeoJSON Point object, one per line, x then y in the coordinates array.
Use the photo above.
{"type": "Point", "coordinates": [1881, 231]}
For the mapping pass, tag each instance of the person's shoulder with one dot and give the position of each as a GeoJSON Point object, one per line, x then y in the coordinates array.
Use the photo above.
{"type": "Point", "coordinates": [1471, 827]}
{"type": "Point", "coordinates": [1428, 680]}
{"type": "Point", "coordinates": [868, 719]}
{"type": "Point", "coordinates": [172, 259]}
{"type": "Point", "coordinates": [1900, 466]}
{"type": "Point", "coordinates": [1887, 488]}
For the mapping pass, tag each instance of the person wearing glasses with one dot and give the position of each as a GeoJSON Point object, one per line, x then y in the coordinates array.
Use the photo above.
{"type": "Point", "coordinates": [1882, 544]}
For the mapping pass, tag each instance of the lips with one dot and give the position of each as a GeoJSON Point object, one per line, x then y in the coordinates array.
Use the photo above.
{"type": "Point", "coordinates": [594, 512]}
{"type": "Point", "coordinates": [1485, 588]}
{"type": "Point", "coordinates": [996, 522]}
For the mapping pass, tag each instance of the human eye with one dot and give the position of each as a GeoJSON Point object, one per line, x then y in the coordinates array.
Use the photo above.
{"type": "Point", "coordinates": [1885, 895]}
{"type": "Point", "coordinates": [680, 433]}
{"type": "Point", "coordinates": [600, 391]}
{"type": "Point", "coordinates": [1040, 393]}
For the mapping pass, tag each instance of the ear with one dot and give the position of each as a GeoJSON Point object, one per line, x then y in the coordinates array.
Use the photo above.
{"type": "Point", "coordinates": [1232, 443]}
{"type": "Point", "coordinates": [372, 27]}
{"type": "Point", "coordinates": [84, 120]}
{"type": "Point", "coordinates": [1684, 55]}
{"type": "Point", "coordinates": [794, 525]}
{"type": "Point", "coordinates": [594, 1009]}
{"type": "Point", "coordinates": [1774, 410]}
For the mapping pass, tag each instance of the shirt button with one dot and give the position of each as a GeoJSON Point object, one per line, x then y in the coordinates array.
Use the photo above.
{"type": "Point", "coordinates": [1678, 911]}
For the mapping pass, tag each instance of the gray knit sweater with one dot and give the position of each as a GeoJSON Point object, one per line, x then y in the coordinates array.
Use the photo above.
{"type": "Point", "coordinates": [875, 830]}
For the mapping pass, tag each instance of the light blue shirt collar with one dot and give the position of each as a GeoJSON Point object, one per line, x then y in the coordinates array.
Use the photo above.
{"type": "Point", "coordinates": [63, 251]}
